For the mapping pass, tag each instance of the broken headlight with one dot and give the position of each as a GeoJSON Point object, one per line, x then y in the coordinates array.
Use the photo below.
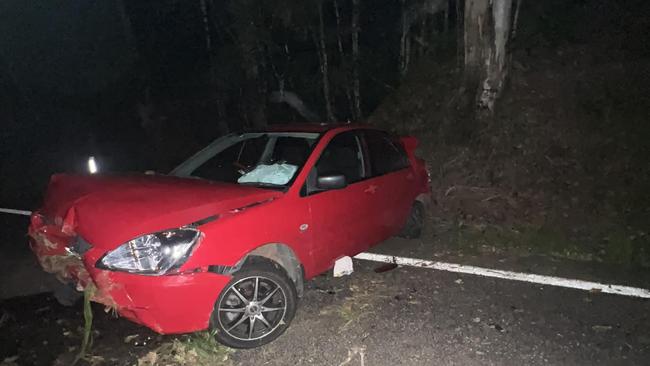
{"type": "Point", "coordinates": [154, 254]}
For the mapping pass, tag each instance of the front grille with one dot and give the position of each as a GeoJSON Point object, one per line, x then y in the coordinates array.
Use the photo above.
{"type": "Point", "coordinates": [79, 245]}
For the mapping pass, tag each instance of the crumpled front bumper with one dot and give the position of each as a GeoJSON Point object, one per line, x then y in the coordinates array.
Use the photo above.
{"type": "Point", "coordinates": [167, 304]}
{"type": "Point", "coordinates": [178, 303]}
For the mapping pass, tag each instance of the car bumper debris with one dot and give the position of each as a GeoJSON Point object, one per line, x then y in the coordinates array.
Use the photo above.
{"type": "Point", "coordinates": [177, 303]}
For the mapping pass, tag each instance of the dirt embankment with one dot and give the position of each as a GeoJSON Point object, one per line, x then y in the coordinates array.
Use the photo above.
{"type": "Point", "coordinates": [563, 167]}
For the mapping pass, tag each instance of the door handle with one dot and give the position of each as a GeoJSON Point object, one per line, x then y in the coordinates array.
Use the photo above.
{"type": "Point", "coordinates": [371, 189]}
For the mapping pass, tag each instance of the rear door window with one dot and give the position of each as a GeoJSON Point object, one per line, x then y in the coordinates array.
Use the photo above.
{"type": "Point", "coordinates": [385, 154]}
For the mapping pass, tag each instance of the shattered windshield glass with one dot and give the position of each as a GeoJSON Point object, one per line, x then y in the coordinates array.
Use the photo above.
{"type": "Point", "coordinates": [260, 159]}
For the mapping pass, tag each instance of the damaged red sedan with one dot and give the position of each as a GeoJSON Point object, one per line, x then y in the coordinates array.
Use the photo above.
{"type": "Point", "coordinates": [227, 239]}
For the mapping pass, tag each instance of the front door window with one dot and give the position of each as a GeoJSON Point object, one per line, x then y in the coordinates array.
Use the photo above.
{"type": "Point", "coordinates": [342, 156]}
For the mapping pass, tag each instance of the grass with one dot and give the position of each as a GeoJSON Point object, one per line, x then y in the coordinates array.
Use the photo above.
{"type": "Point", "coordinates": [205, 345]}
{"type": "Point", "coordinates": [86, 340]}
{"type": "Point", "coordinates": [356, 306]}
{"type": "Point", "coordinates": [353, 307]}
{"type": "Point", "coordinates": [197, 349]}
{"type": "Point", "coordinates": [613, 245]}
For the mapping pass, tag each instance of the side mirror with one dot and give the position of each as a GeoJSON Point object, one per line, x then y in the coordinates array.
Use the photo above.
{"type": "Point", "coordinates": [327, 182]}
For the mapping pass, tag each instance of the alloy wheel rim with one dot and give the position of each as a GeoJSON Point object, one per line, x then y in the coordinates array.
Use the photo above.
{"type": "Point", "coordinates": [252, 308]}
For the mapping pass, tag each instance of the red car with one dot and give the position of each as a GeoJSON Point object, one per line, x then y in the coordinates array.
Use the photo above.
{"type": "Point", "coordinates": [227, 239]}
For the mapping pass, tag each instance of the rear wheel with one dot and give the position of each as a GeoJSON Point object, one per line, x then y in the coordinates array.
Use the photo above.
{"type": "Point", "coordinates": [413, 227]}
{"type": "Point", "coordinates": [255, 307]}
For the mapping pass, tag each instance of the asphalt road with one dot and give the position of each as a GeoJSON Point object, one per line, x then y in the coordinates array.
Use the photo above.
{"type": "Point", "coordinates": [404, 316]}
{"type": "Point", "coordinates": [411, 316]}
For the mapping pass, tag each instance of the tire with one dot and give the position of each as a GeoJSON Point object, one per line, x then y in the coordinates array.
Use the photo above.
{"type": "Point", "coordinates": [255, 320]}
{"type": "Point", "coordinates": [413, 227]}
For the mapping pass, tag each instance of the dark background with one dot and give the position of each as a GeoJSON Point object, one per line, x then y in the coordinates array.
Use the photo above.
{"type": "Point", "coordinates": [556, 181]}
{"type": "Point", "coordinates": [73, 73]}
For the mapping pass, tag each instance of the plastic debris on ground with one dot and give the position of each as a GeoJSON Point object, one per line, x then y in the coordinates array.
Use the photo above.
{"type": "Point", "coordinates": [343, 267]}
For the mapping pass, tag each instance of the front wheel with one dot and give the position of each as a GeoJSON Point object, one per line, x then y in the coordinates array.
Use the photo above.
{"type": "Point", "coordinates": [255, 307]}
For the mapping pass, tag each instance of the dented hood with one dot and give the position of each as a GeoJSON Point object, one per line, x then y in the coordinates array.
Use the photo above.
{"type": "Point", "coordinates": [110, 210]}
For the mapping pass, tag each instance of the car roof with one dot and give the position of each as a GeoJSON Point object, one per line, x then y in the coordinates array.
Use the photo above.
{"type": "Point", "coordinates": [314, 127]}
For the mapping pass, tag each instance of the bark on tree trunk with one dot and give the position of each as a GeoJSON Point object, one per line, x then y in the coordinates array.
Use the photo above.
{"type": "Point", "coordinates": [487, 29]}
{"type": "Point", "coordinates": [356, 86]}
{"type": "Point", "coordinates": [498, 58]}
{"type": "Point", "coordinates": [324, 63]}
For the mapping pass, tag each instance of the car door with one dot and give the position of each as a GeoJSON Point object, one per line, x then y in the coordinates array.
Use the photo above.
{"type": "Point", "coordinates": [339, 217]}
{"type": "Point", "coordinates": [392, 180]}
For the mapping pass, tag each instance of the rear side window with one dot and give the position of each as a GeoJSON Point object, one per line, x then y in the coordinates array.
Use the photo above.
{"type": "Point", "coordinates": [386, 155]}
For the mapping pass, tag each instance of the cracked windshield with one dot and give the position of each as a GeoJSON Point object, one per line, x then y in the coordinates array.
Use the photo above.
{"type": "Point", "coordinates": [271, 159]}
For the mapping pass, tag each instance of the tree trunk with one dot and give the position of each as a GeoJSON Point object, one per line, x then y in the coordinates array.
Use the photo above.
{"type": "Point", "coordinates": [222, 122]}
{"type": "Point", "coordinates": [445, 21]}
{"type": "Point", "coordinates": [405, 42]}
{"type": "Point", "coordinates": [487, 29]}
{"type": "Point", "coordinates": [515, 20]}
{"type": "Point", "coordinates": [476, 41]}
{"type": "Point", "coordinates": [355, 60]}
{"type": "Point", "coordinates": [418, 11]}
{"type": "Point", "coordinates": [459, 33]}
{"type": "Point", "coordinates": [423, 39]}
{"type": "Point", "coordinates": [127, 29]}
{"type": "Point", "coordinates": [324, 63]}
{"type": "Point", "coordinates": [253, 92]}
{"type": "Point", "coordinates": [206, 28]}
{"type": "Point", "coordinates": [343, 56]}
{"type": "Point", "coordinates": [498, 57]}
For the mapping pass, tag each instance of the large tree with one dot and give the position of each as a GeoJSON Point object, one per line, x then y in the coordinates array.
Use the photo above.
{"type": "Point", "coordinates": [487, 29]}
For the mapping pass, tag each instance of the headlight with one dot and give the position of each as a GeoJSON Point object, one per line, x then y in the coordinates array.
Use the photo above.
{"type": "Point", "coordinates": [154, 254]}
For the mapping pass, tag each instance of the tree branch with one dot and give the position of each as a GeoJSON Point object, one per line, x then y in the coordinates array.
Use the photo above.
{"type": "Point", "coordinates": [294, 101]}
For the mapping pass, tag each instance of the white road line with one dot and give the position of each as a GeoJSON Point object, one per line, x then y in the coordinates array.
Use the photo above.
{"type": "Point", "coordinates": [509, 275]}
{"type": "Point", "coordinates": [16, 212]}
{"type": "Point", "coordinates": [480, 271]}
